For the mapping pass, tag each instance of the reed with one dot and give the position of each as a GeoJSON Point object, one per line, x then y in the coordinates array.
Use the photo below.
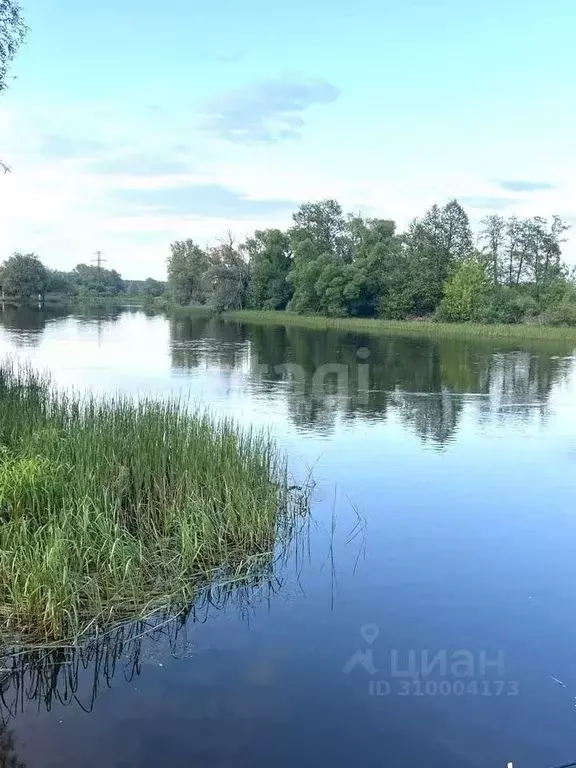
{"type": "Point", "coordinates": [112, 508]}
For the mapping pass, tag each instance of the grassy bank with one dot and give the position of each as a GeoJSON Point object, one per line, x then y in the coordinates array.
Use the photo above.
{"type": "Point", "coordinates": [111, 509]}
{"type": "Point", "coordinates": [423, 328]}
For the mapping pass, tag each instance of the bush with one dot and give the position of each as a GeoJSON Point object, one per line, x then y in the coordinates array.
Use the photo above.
{"type": "Point", "coordinates": [465, 295]}
{"type": "Point", "coordinates": [563, 313]}
{"type": "Point", "coordinates": [506, 305]}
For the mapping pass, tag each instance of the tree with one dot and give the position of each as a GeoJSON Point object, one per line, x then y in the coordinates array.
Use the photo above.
{"type": "Point", "coordinates": [23, 275]}
{"type": "Point", "coordinates": [227, 282]}
{"type": "Point", "coordinates": [322, 240]}
{"type": "Point", "coordinates": [493, 236]}
{"type": "Point", "coordinates": [270, 257]}
{"type": "Point", "coordinates": [187, 266]}
{"type": "Point", "coordinates": [456, 234]}
{"type": "Point", "coordinates": [322, 224]}
{"type": "Point", "coordinates": [153, 288]}
{"type": "Point", "coordinates": [438, 243]}
{"type": "Point", "coordinates": [60, 282]}
{"type": "Point", "coordinates": [12, 34]}
{"type": "Point", "coordinates": [92, 280]}
{"type": "Point", "coordinates": [465, 294]}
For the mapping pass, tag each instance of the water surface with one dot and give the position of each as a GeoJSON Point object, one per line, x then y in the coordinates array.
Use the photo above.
{"type": "Point", "coordinates": [442, 525]}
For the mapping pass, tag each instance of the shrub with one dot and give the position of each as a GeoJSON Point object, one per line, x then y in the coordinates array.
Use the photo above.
{"type": "Point", "coordinates": [465, 294]}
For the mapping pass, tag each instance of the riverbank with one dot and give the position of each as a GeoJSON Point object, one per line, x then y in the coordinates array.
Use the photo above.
{"type": "Point", "coordinates": [522, 332]}
{"type": "Point", "coordinates": [112, 509]}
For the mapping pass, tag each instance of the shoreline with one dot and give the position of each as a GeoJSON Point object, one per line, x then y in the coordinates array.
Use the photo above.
{"type": "Point", "coordinates": [523, 332]}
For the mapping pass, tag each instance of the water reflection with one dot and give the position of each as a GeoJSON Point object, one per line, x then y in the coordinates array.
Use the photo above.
{"type": "Point", "coordinates": [424, 382]}
{"type": "Point", "coordinates": [42, 678]}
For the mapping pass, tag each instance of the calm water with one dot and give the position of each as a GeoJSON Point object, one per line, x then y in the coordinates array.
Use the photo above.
{"type": "Point", "coordinates": [443, 524]}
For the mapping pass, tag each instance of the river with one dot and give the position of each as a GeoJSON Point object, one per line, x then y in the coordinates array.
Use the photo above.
{"type": "Point", "coordinates": [424, 617]}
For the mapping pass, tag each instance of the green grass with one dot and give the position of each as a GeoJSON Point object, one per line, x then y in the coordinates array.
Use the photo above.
{"type": "Point", "coordinates": [111, 508]}
{"type": "Point", "coordinates": [405, 327]}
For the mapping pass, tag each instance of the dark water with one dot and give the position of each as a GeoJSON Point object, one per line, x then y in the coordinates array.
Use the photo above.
{"type": "Point", "coordinates": [443, 526]}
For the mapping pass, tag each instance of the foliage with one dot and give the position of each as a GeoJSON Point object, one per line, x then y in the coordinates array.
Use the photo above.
{"type": "Point", "coordinates": [12, 33]}
{"type": "Point", "coordinates": [562, 312]}
{"type": "Point", "coordinates": [227, 281]}
{"type": "Point", "coordinates": [111, 508]}
{"type": "Point", "coordinates": [23, 275]}
{"type": "Point", "coordinates": [90, 280]}
{"type": "Point", "coordinates": [436, 244]}
{"type": "Point", "coordinates": [345, 265]}
{"type": "Point", "coordinates": [187, 265]}
{"type": "Point", "coordinates": [465, 294]}
{"type": "Point", "coordinates": [270, 256]}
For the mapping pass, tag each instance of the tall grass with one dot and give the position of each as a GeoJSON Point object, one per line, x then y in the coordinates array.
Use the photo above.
{"type": "Point", "coordinates": [405, 327]}
{"type": "Point", "coordinates": [111, 508]}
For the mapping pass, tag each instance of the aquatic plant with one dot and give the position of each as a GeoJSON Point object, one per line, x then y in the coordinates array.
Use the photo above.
{"type": "Point", "coordinates": [113, 508]}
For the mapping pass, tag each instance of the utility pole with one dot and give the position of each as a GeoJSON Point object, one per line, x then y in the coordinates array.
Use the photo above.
{"type": "Point", "coordinates": [99, 260]}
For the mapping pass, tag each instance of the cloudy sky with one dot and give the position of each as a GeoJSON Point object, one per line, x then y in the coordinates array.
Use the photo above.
{"type": "Point", "coordinates": [133, 123]}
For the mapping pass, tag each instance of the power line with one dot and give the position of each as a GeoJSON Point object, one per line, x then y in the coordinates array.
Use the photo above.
{"type": "Point", "coordinates": [99, 260]}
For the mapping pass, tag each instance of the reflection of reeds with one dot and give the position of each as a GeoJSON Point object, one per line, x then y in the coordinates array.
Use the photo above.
{"type": "Point", "coordinates": [70, 674]}
{"type": "Point", "coordinates": [113, 509]}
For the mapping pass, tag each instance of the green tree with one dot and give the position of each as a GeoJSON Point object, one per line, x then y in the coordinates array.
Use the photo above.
{"type": "Point", "coordinates": [270, 257]}
{"type": "Point", "coordinates": [91, 280]}
{"type": "Point", "coordinates": [322, 224]}
{"type": "Point", "coordinates": [153, 288]}
{"type": "Point", "coordinates": [12, 34]}
{"type": "Point", "coordinates": [465, 294]}
{"type": "Point", "coordinates": [492, 237]}
{"type": "Point", "coordinates": [60, 283]}
{"type": "Point", "coordinates": [23, 275]}
{"type": "Point", "coordinates": [187, 266]}
{"type": "Point", "coordinates": [227, 281]}
{"type": "Point", "coordinates": [437, 243]}
{"type": "Point", "coordinates": [322, 242]}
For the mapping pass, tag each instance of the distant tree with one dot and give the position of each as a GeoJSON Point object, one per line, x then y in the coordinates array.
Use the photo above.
{"type": "Point", "coordinates": [270, 257]}
{"type": "Point", "coordinates": [60, 283]}
{"type": "Point", "coordinates": [227, 281]}
{"type": "Point", "coordinates": [465, 294]}
{"type": "Point", "coordinates": [322, 241]}
{"type": "Point", "coordinates": [438, 242]}
{"type": "Point", "coordinates": [322, 225]}
{"type": "Point", "coordinates": [456, 233]}
{"type": "Point", "coordinates": [492, 237]}
{"type": "Point", "coordinates": [379, 272]}
{"type": "Point", "coordinates": [12, 33]}
{"type": "Point", "coordinates": [91, 280]}
{"type": "Point", "coordinates": [153, 288]}
{"type": "Point", "coordinates": [23, 275]}
{"type": "Point", "coordinates": [187, 266]}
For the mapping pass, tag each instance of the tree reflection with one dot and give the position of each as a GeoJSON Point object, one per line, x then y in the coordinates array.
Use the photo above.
{"type": "Point", "coordinates": [25, 325]}
{"type": "Point", "coordinates": [427, 383]}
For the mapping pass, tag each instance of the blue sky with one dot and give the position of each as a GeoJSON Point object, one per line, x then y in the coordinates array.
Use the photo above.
{"type": "Point", "coordinates": [134, 123]}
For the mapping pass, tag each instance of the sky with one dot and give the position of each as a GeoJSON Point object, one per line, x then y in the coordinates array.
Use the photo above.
{"type": "Point", "coordinates": [134, 123]}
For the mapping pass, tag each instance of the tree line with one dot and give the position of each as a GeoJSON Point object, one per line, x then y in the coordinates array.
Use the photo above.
{"type": "Point", "coordinates": [23, 276]}
{"type": "Point", "coordinates": [341, 265]}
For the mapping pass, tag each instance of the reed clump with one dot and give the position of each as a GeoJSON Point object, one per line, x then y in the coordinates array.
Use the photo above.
{"type": "Point", "coordinates": [112, 508]}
